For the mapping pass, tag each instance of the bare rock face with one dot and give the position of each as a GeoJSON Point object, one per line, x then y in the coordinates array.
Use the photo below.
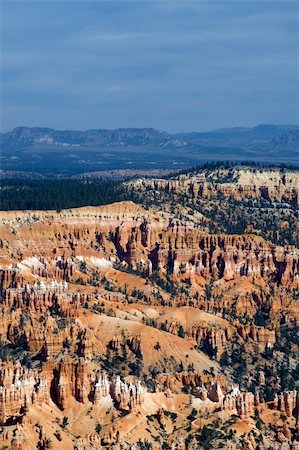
{"type": "Point", "coordinates": [101, 388]}
{"type": "Point", "coordinates": [262, 336]}
{"type": "Point", "coordinates": [19, 388]}
{"type": "Point", "coordinates": [185, 252]}
{"type": "Point", "coordinates": [10, 279]}
{"type": "Point", "coordinates": [215, 393]}
{"type": "Point", "coordinates": [64, 383]}
{"type": "Point", "coordinates": [82, 382]}
{"type": "Point", "coordinates": [213, 337]}
{"type": "Point", "coordinates": [85, 345]}
{"type": "Point", "coordinates": [245, 405]}
{"type": "Point", "coordinates": [242, 403]}
{"type": "Point", "coordinates": [135, 344]}
{"type": "Point", "coordinates": [72, 380]}
{"type": "Point", "coordinates": [127, 396]}
{"type": "Point", "coordinates": [116, 342]}
{"type": "Point", "coordinates": [287, 403]}
{"type": "Point", "coordinates": [121, 290]}
{"type": "Point", "coordinates": [244, 183]}
{"type": "Point", "coordinates": [202, 393]}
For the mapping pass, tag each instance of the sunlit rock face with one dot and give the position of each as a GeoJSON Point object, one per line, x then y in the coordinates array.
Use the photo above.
{"type": "Point", "coordinates": [122, 325]}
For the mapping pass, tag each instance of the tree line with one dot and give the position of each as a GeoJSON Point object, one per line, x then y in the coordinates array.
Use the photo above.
{"type": "Point", "coordinates": [56, 194]}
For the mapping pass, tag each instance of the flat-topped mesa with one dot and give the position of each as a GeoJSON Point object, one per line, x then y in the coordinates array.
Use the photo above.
{"type": "Point", "coordinates": [237, 183]}
{"type": "Point", "coordinates": [20, 388]}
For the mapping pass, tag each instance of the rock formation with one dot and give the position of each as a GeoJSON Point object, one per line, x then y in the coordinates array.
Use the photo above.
{"type": "Point", "coordinates": [123, 326]}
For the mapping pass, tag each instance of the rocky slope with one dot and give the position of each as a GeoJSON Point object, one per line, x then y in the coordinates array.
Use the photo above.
{"type": "Point", "coordinates": [154, 326]}
{"type": "Point", "coordinates": [230, 199]}
{"type": "Point", "coordinates": [129, 327]}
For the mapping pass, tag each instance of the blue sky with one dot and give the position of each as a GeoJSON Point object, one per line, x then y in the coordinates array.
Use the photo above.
{"type": "Point", "coordinates": [172, 65]}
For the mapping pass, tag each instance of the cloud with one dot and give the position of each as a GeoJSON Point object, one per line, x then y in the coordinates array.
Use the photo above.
{"type": "Point", "coordinates": [172, 65]}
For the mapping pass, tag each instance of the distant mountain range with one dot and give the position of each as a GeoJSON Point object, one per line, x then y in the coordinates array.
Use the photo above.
{"type": "Point", "coordinates": [53, 152]}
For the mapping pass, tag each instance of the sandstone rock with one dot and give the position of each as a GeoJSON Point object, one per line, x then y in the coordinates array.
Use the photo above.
{"type": "Point", "coordinates": [127, 396]}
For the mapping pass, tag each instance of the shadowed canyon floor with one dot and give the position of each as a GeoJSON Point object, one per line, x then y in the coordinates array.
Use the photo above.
{"type": "Point", "coordinates": [154, 324]}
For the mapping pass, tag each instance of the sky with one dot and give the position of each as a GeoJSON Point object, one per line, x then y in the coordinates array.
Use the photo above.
{"type": "Point", "coordinates": [172, 65]}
